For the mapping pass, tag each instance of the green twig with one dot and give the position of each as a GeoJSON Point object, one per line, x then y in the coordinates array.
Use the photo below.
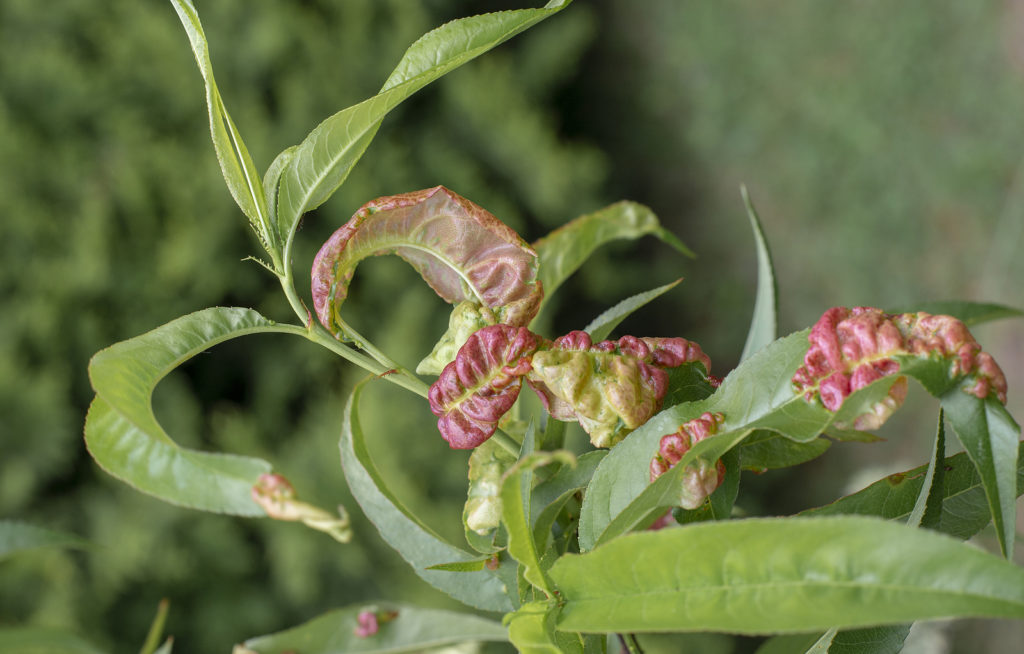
{"type": "Point", "coordinates": [630, 643]}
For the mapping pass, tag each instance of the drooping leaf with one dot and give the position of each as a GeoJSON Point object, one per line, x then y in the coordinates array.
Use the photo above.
{"type": "Point", "coordinates": [21, 537]}
{"type": "Point", "coordinates": [326, 156]}
{"type": "Point", "coordinates": [971, 313]}
{"type": "Point", "coordinates": [461, 250]}
{"type": "Point", "coordinates": [991, 439]}
{"type": "Point", "coordinates": [601, 327]}
{"type": "Point", "coordinates": [415, 542]}
{"type": "Point", "coordinates": [965, 509]}
{"type": "Point", "coordinates": [763, 323]}
{"type": "Point", "coordinates": [239, 171]}
{"type": "Point", "coordinates": [124, 437]}
{"type": "Point", "coordinates": [43, 640]}
{"type": "Point", "coordinates": [772, 575]}
{"type": "Point", "coordinates": [404, 629]}
{"type": "Point", "coordinates": [564, 250]}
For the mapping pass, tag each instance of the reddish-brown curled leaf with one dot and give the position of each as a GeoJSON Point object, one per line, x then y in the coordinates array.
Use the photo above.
{"type": "Point", "coordinates": [475, 390]}
{"type": "Point", "coordinates": [461, 250]}
{"type": "Point", "coordinates": [700, 479]}
{"type": "Point", "coordinates": [850, 348]}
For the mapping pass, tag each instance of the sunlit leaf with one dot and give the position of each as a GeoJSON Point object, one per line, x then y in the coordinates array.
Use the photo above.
{"type": "Point", "coordinates": [239, 171]}
{"type": "Point", "coordinates": [600, 327]}
{"type": "Point", "coordinates": [763, 323]}
{"type": "Point", "coordinates": [414, 541]}
{"type": "Point", "coordinates": [21, 537]}
{"type": "Point", "coordinates": [124, 437]}
{"type": "Point", "coordinates": [324, 159]}
{"type": "Point", "coordinates": [790, 574]}
{"type": "Point", "coordinates": [564, 250]}
{"type": "Point", "coordinates": [532, 630]}
{"type": "Point", "coordinates": [403, 629]}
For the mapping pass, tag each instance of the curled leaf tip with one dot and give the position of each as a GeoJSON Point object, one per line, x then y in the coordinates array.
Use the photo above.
{"type": "Point", "coordinates": [276, 495]}
{"type": "Point", "coordinates": [701, 478]}
{"type": "Point", "coordinates": [475, 390]}
{"type": "Point", "coordinates": [851, 348]}
{"type": "Point", "coordinates": [462, 251]}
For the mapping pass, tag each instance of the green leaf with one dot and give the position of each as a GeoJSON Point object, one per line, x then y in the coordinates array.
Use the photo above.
{"type": "Point", "coordinates": [970, 313]}
{"type": "Point", "coordinates": [764, 321]}
{"type": "Point", "coordinates": [869, 640]}
{"type": "Point", "coordinates": [564, 250]}
{"type": "Point", "coordinates": [551, 496]}
{"type": "Point", "coordinates": [516, 495]}
{"type": "Point", "coordinates": [414, 541]}
{"type": "Point", "coordinates": [532, 630]}
{"type": "Point", "coordinates": [964, 508]}
{"type": "Point", "coordinates": [990, 437]}
{"type": "Point", "coordinates": [324, 159]}
{"type": "Point", "coordinates": [124, 437]}
{"type": "Point", "coordinates": [773, 575]}
{"type": "Point", "coordinates": [600, 327]}
{"type": "Point", "coordinates": [156, 629]}
{"type": "Point", "coordinates": [413, 629]}
{"type": "Point", "coordinates": [927, 511]}
{"type": "Point", "coordinates": [765, 450]}
{"type": "Point", "coordinates": [21, 537]}
{"type": "Point", "coordinates": [41, 640]}
{"type": "Point", "coordinates": [235, 163]}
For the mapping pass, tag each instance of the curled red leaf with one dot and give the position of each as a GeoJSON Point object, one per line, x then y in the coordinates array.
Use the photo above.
{"type": "Point", "coordinates": [701, 478]}
{"type": "Point", "coordinates": [460, 249]}
{"type": "Point", "coordinates": [475, 390]}
{"type": "Point", "coordinates": [851, 348]}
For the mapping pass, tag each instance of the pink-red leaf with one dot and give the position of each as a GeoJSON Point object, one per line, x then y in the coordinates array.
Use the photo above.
{"type": "Point", "coordinates": [461, 250]}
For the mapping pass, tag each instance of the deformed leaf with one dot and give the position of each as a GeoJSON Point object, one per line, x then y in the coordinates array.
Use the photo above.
{"type": "Point", "coordinates": [970, 313]}
{"type": "Point", "coordinates": [416, 543]}
{"type": "Point", "coordinates": [476, 389]}
{"type": "Point", "coordinates": [775, 575]}
{"type": "Point", "coordinates": [461, 250]}
{"type": "Point", "coordinates": [404, 629]}
{"type": "Point", "coordinates": [327, 155]}
{"type": "Point", "coordinates": [124, 437]}
{"type": "Point", "coordinates": [487, 464]}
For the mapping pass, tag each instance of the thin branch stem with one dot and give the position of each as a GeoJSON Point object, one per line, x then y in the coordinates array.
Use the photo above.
{"type": "Point", "coordinates": [630, 643]}
{"type": "Point", "coordinates": [507, 443]}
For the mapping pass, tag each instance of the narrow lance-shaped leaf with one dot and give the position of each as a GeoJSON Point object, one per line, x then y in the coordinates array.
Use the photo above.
{"type": "Point", "coordinates": [461, 250]}
{"type": "Point", "coordinates": [415, 542]}
{"type": "Point", "coordinates": [600, 327]}
{"type": "Point", "coordinates": [763, 323]}
{"type": "Point", "coordinates": [564, 250]}
{"type": "Point", "coordinates": [324, 159]}
{"type": "Point", "coordinates": [21, 537]}
{"type": "Point", "coordinates": [970, 313]}
{"type": "Point", "coordinates": [774, 575]}
{"type": "Point", "coordinates": [124, 437]}
{"type": "Point", "coordinates": [400, 628]}
{"type": "Point", "coordinates": [239, 171]}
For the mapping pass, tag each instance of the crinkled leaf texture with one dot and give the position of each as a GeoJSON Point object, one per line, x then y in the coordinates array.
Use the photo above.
{"type": "Point", "coordinates": [327, 155]}
{"type": "Point", "coordinates": [783, 574]}
{"type": "Point", "coordinates": [461, 250]}
{"type": "Point", "coordinates": [124, 437]}
{"type": "Point", "coordinates": [412, 629]}
{"type": "Point", "coordinates": [415, 542]}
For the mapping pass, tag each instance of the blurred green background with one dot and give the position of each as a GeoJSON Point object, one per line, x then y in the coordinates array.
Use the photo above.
{"type": "Point", "coordinates": [881, 143]}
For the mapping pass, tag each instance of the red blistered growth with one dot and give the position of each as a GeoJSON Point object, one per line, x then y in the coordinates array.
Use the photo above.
{"type": "Point", "coordinates": [701, 478]}
{"type": "Point", "coordinates": [366, 624]}
{"type": "Point", "coordinates": [475, 390]}
{"type": "Point", "coordinates": [851, 348]}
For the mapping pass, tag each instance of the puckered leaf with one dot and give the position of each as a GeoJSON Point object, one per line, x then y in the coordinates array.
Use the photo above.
{"type": "Point", "coordinates": [487, 464]}
{"type": "Point", "coordinates": [461, 250]}
{"type": "Point", "coordinates": [466, 318]}
{"type": "Point", "coordinates": [476, 389]}
{"type": "Point", "coordinates": [124, 437]}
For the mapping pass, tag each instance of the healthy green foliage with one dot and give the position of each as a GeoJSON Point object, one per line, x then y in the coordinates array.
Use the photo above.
{"type": "Point", "coordinates": [19, 537]}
